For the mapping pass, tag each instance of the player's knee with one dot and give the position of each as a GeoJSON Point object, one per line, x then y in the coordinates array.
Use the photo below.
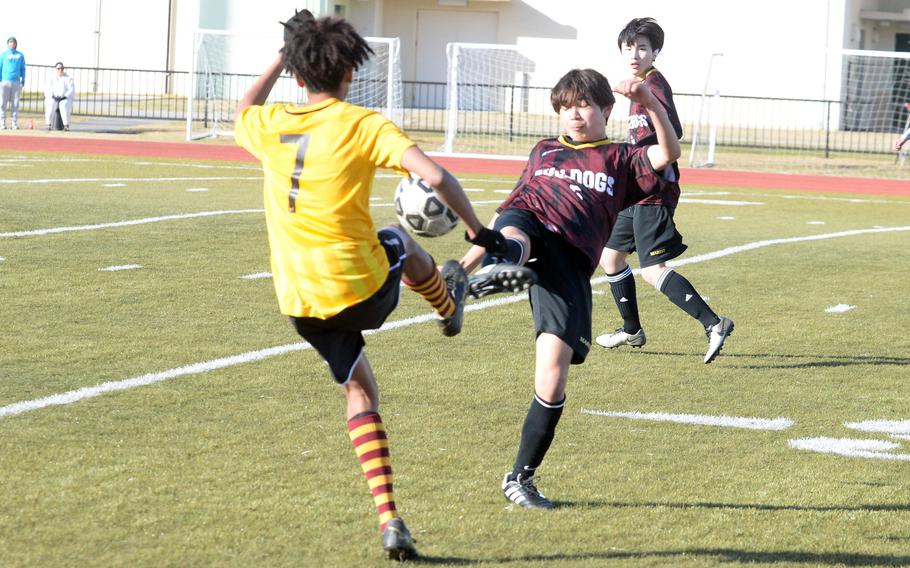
{"type": "Point", "coordinates": [651, 274]}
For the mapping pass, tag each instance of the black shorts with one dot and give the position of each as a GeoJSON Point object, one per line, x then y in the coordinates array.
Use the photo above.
{"type": "Point", "coordinates": [650, 230]}
{"type": "Point", "coordinates": [339, 339]}
{"type": "Point", "coordinates": [561, 298]}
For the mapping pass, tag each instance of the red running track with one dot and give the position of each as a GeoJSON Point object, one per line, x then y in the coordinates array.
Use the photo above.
{"type": "Point", "coordinates": [66, 144]}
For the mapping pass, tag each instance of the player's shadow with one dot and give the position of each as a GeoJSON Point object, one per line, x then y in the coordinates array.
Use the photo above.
{"type": "Point", "coordinates": [668, 556]}
{"type": "Point", "coordinates": [890, 507]}
{"type": "Point", "coordinates": [799, 361]}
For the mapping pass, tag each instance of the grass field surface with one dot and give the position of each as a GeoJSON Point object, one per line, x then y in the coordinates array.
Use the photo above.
{"type": "Point", "coordinates": [157, 410]}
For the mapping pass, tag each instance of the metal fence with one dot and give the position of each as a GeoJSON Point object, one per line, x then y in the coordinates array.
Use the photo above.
{"type": "Point", "coordinates": [741, 122]}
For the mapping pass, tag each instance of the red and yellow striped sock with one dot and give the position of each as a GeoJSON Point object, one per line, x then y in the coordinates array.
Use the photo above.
{"type": "Point", "coordinates": [372, 447]}
{"type": "Point", "coordinates": [434, 291]}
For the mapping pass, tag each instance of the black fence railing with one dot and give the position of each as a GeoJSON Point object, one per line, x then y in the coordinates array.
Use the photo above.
{"type": "Point", "coordinates": [508, 111]}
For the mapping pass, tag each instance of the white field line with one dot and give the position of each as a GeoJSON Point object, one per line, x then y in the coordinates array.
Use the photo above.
{"type": "Point", "coordinates": [893, 427]}
{"type": "Point", "coordinates": [120, 267]}
{"type": "Point", "coordinates": [719, 202]}
{"type": "Point", "coordinates": [839, 309]}
{"type": "Point", "coordinates": [257, 275]}
{"type": "Point", "coordinates": [212, 365]}
{"type": "Point", "coordinates": [58, 160]}
{"type": "Point", "coordinates": [110, 180]}
{"type": "Point", "coordinates": [749, 423]}
{"type": "Point", "coordinates": [55, 230]}
{"type": "Point", "coordinates": [870, 449]}
{"type": "Point", "coordinates": [88, 392]}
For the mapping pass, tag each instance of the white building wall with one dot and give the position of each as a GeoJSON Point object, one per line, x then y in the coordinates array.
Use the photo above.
{"type": "Point", "coordinates": [133, 34]}
{"type": "Point", "coordinates": [773, 48]}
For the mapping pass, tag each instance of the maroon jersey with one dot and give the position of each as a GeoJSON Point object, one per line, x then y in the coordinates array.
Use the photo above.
{"type": "Point", "coordinates": [576, 190]}
{"type": "Point", "coordinates": [641, 130]}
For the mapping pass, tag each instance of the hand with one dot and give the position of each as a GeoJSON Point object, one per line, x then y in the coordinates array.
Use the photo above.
{"type": "Point", "coordinates": [490, 239]}
{"type": "Point", "coordinates": [297, 20]}
{"type": "Point", "coordinates": [899, 143]}
{"type": "Point", "coordinates": [636, 90]}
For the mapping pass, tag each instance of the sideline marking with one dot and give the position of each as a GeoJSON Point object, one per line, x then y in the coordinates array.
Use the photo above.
{"type": "Point", "coordinates": [839, 309]}
{"type": "Point", "coordinates": [749, 423]}
{"type": "Point", "coordinates": [719, 202]}
{"type": "Point", "coordinates": [112, 180]}
{"type": "Point", "coordinates": [874, 449]}
{"type": "Point", "coordinates": [257, 275]}
{"type": "Point", "coordinates": [88, 392]}
{"type": "Point", "coordinates": [56, 230]}
{"type": "Point", "coordinates": [120, 267]}
{"type": "Point", "coordinates": [893, 427]}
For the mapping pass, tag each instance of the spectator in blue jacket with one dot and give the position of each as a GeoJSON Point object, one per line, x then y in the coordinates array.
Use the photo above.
{"type": "Point", "coordinates": [12, 78]}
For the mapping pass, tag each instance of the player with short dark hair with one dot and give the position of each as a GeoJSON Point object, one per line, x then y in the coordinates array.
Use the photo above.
{"type": "Point", "coordinates": [648, 226]}
{"type": "Point", "coordinates": [335, 275]}
{"type": "Point", "coordinates": [556, 222]}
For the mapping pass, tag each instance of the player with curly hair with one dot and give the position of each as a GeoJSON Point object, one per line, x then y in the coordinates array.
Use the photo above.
{"type": "Point", "coordinates": [336, 275]}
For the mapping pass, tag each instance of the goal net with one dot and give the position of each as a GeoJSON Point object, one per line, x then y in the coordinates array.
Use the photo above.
{"type": "Point", "coordinates": [226, 64]}
{"type": "Point", "coordinates": [491, 107]}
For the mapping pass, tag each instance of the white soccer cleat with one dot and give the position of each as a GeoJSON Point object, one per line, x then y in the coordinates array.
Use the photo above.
{"type": "Point", "coordinates": [717, 334]}
{"type": "Point", "coordinates": [620, 337]}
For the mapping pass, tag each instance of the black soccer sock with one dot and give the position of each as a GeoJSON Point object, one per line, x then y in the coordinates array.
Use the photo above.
{"type": "Point", "coordinates": [536, 435]}
{"type": "Point", "coordinates": [622, 284]}
{"type": "Point", "coordinates": [514, 252]}
{"type": "Point", "coordinates": [684, 295]}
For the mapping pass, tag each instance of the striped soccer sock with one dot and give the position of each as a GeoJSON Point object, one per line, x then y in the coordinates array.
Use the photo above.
{"type": "Point", "coordinates": [434, 291]}
{"type": "Point", "coordinates": [372, 447]}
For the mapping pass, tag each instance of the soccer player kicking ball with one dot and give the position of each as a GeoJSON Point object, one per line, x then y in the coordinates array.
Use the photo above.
{"type": "Point", "coordinates": [560, 215]}
{"type": "Point", "coordinates": [648, 226]}
{"type": "Point", "coordinates": [334, 274]}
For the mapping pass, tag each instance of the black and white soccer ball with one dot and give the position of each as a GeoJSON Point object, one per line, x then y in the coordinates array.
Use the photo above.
{"type": "Point", "coordinates": [420, 210]}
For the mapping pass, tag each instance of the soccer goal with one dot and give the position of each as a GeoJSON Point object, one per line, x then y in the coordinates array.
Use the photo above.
{"type": "Point", "coordinates": [704, 132]}
{"type": "Point", "coordinates": [492, 108]}
{"type": "Point", "coordinates": [225, 64]}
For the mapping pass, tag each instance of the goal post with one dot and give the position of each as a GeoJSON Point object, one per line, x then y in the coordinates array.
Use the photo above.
{"type": "Point", "coordinates": [225, 64]}
{"type": "Point", "coordinates": [704, 133]}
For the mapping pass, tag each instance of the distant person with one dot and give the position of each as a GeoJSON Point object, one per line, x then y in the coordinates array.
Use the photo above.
{"type": "Point", "coordinates": [12, 78]}
{"type": "Point", "coordinates": [648, 226]}
{"type": "Point", "coordinates": [899, 143]}
{"type": "Point", "coordinates": [59, 93]}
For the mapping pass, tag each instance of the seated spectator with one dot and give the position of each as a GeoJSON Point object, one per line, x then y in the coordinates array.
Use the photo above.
{"type": "Point", "coordinates": [59, 93]}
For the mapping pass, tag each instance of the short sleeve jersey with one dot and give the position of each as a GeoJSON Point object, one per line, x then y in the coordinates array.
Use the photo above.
{"type": "Point", "coordinates": [641, 131]}
{"type": "Point", "coordinates": [319, 162]}
{"type": "Point", "coordinates": [576, 190]}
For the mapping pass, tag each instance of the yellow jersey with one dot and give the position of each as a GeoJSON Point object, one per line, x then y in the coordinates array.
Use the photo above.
{"type": "Point", "coordinates": [319, 161]}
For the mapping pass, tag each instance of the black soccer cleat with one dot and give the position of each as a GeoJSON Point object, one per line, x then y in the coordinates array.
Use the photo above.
{"type": "Point", "coordinates": [717, 334]}
{"type": "Point", "coordinates": [501, 277]}
{"type": "Point", "coordinates": [456, 280]}
{"type": "Point", "coordinates": [397, 541]}
{"type": "Point", "coordinates": [522, 491]}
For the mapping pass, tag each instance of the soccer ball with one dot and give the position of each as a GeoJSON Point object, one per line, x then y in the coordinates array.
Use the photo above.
{"type": "Point", "coordinates": [420, 210]}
